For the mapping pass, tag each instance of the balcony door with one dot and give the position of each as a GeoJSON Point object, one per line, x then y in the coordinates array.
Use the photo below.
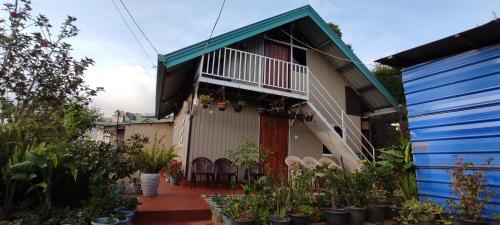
{"type": "Point", "coordinates": [274, 136]}
{"type": "Point", "coordinates": [277, 74]}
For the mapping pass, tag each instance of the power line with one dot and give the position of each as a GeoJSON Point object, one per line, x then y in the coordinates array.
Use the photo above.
{"type": "Point", "coordinates": [326, 53]}
{"type": "Point", "coordinates": [213, 28]}
{"type": "Point", "coordinates": [133, 34]}
{"type": "Point", "coordinates": [138, 27]}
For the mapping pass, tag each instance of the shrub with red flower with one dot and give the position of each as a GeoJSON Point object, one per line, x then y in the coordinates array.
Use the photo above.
{"type": "Point", "coordinates": [173, 169]}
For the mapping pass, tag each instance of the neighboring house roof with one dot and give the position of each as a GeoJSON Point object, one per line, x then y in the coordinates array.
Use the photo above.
{"type": "Point", "coordinates": [478, 37]}
{"type": "Point", "coordinates": [321, 36]}
{"type": "Point", "coordinates": [138, 120]}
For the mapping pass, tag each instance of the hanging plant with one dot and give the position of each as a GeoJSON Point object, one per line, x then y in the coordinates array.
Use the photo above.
{"type": "Point", "coordinates": [222, 105]}
{"type": "Point", "coordinates": [206, 100]}
{"type": "Point", "coordinates": [309, 116]}
{"type": "Point", "coordinates": [292, 112]}
{"type": "Point", "coordinates": [238, 106]}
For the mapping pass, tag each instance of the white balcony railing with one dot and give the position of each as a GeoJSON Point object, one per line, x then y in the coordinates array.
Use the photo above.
{"type": "Point", "coordinates": [255, 70]}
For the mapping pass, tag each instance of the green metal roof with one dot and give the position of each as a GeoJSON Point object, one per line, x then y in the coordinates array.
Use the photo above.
{"type": "Point", "coordinates": [177, 57]}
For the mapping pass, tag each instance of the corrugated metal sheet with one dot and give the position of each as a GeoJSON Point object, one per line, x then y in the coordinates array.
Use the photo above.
{"type": "Point", "coordinates": [454, 109]}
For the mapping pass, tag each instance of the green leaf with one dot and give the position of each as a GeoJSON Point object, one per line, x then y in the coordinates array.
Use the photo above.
{"type": "Point", "coordinates": [74, 173]}
{"type": "Point", "coordinates": [20, 176]}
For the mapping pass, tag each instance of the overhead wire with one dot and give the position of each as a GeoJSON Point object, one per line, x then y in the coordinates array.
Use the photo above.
{"type": "Point", "coordinates": [326, 53]}
{"type": "Point", "coordinates": [213, 28]}
{"type": "Point", "coordinates": [138, 27]}
{"type": "Point", "coordinates": [132, 32]}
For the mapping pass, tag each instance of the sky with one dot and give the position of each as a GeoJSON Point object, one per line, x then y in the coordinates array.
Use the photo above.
{"type": "Point", "coordinates": [375, 29]}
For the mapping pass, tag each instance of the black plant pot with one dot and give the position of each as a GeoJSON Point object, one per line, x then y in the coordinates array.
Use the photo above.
{"type": "Point", "coordinates": [391, 212]}
{"type": "Point", "coordinates": [300, 219]}
{"type": "Point", "coordinates": [337, 217]}
{"type": "Point", "coordinates": [243, 222]}
{"type": "Point", "coordinates": [357, 215]}
{"type": "Point", "coordinates": [238, 108]}
{"type": "Point", "coordinates": [471, 222]}
{"type": "Point", "coordinates": [375, 214]}
{"type": "Point", "coordinates": [278, 221]}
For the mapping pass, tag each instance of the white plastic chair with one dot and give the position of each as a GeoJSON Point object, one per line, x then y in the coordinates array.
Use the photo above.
{"type": "Point", "coordinates": [310, 162]}
{"type": "Point", "coordinates": [289, 160]}
{"type": "Point", "coordinates": [328, 161]}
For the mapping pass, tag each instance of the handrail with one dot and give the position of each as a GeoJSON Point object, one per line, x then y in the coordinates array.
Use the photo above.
{"type": "Point", "coordinates": [256, 70]}
{"type": "Point", "coordinates": [338, 110]}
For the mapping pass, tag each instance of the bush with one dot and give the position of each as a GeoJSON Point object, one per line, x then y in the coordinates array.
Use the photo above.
{"type": "Point", "coordinates": [415, 212]}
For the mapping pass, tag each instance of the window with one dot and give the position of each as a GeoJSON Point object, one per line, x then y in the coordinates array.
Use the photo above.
{"type": "Point", "coordinates": [299, 56]}
{"type": "Point", "coordinates": [326, 151]}
{"type": "Point", "coordinates": [353, 102]}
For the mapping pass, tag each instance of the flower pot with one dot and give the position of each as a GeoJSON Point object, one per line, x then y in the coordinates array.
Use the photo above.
{"type": "Point", "coordinates": [309, 118]}
{"type": "Point", "coordinates": [300, 219]}
{"type": "Point", "coordinates": [221, 106]}
{"type": "Point", "coordinates": [149, 183]}
{"type": "Point", "coordinates": [391, 212]}
{"type": "Point", "coordinates": [227, 220]}
{"type": "Point", "coordinates": [279, 221]}
{"type": "Point", "coordinates": [375, 214]}
{"type": "Point", "coordinates": [134, 188]}
{"type": "Point", "coordinates": [357, 215]}
{"type": "Point", "coordinates": [124, 221]}
{"type": "Point", "coordinates": [120, 189]}
{"type": "Point", "coordinates": [127, 213]}
{"type": "Point", "coordinates": [470, 222]}
{"type": "Point", "coordinates": [243, 222]}
{"type": "Point", "coordinates": [104, 221]}
{"type": "Point", "coordinates": [175, 180]}
{"type": "Point", "coordinates": [205, 106]}
{"type": "Point", "coordinates": [337, 217]}
{"type": "Point", "coordinates": [238, 108]}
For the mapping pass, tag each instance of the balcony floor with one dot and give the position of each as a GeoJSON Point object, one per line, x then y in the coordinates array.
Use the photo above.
{"type": "Point", "coordinates": [178, 205]}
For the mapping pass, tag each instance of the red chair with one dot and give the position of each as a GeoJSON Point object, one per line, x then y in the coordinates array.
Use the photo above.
{"type": "Point", "coordinates": [224, 168]}
{"type": "Point", "coordinates": [203, 167]}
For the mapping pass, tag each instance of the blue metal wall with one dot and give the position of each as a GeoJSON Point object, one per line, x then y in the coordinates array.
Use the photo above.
{"type": "Point", "coordinates": [454, 109]}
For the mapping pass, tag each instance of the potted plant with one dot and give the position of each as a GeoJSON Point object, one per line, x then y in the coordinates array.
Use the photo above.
{"type": "Point", "coordinates": [123, 218]}
{"type": "Point", "coordinates": [299, 115]}
{"type": "Point", "coordinates": [238, 106]}
{"type": "Point", "coordinates": [150, 162]}
{"type": "Point", "coordinates": [473, 194]}
{"type": "Point", "coordinates": [302, 196]}
{"type": "Point", "coordinates": [206, 100]}
{"type": "Point", "coordinates": [175, 172]}
{"type": "Point", "coordinates": [335, 190]}
{"type": "Point", "coordinates": [377, 199]}
{"type": "Point", "coordinates": [229, 210]}
{"type": "Point", "coordinates": [246, 154]}
{"type": "Point", "coordinates": [282, 201]}
{"type": "Point", "coordinates": [414, 212]}
{"type": "Point", "coordinates": [135, 185]}
{"type": "Point", "coordinates": [120, 187]}
{"type": "Point", "coordinates": [358, 183]}
{"type": "Point", "coordinates": [308, 116]}
{"type": "Point", "coordinates": [108, 220]}
{"type": "Point", "coordinates": [221, 105]}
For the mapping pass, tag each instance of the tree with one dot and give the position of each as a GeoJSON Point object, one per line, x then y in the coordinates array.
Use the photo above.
{"type": "Point", "coordinates": [391, 79]}
{"type": "Point", "coordinates": [336, 29]}
{"type": "Point", "coordinates": [38, 76]}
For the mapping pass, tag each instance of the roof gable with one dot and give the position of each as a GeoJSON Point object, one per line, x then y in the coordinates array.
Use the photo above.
{"type": "Point", "coordinates": [188, 53]}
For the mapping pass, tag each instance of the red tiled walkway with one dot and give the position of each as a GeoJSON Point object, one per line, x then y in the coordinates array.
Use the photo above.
{"type": "Point", "coordinates": [177, 205]}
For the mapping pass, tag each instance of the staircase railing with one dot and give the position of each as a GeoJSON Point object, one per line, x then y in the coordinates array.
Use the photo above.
{"type": "Point", "coordinates": [338, 121]}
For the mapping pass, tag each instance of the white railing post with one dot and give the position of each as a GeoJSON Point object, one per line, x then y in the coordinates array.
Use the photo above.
{"type": "Point", "coordinates": [344, 132]}
{"type": "Point", "coordinates": [259, 79]}
{"type": "Point", "coordinates": [307, 82]}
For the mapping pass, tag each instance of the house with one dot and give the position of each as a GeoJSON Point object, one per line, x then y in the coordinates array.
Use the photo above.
{"type": "Point", "coordinates": [289, 61]}
{"type": "Point", "coordinates": [453, 97]}
{"type": "Point", "coordinates": [123, 125]}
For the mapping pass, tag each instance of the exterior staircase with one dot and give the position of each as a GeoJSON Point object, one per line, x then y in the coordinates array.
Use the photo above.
{"type": "Point", "coordinates": [335, 129]}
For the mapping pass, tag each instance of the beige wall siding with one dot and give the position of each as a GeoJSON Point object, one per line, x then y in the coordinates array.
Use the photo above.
{"type": "Point", "coordinates": [335, 84]}
{"type": "Point", "coordinates": [302, 142]}
{"type": "Point", "coordinates": [150, 130]}
{"type": "Point", "coordinates": [213, 132]}
{"type": "Point", "coordinates": [180, 134]}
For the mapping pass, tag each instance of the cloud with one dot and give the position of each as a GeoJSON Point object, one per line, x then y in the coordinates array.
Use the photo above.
{"type": "Point", "coordinates": [128, 88]}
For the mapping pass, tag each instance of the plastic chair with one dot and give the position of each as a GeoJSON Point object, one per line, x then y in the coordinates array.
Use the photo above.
{"type": "Point", "coordinates": [224, 167]}
{"type": "Point", "coordinates": [201, 166]}
{"type": "Point", "coordinates": [310, 162]}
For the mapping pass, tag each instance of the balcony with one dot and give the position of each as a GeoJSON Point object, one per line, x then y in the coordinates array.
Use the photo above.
{"type": "Point", "coordinates": [245, 70]}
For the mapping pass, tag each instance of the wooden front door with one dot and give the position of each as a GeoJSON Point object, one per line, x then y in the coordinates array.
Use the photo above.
{"type": "Point", "coordinates": [277, 73]}
{"type": "Point", "coordinates": [274, 137]}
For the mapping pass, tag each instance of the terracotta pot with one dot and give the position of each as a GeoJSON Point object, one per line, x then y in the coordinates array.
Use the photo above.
{"type": "Point", "coordinates": [337, 217]}
{"type": "Point", "coordinates": [221, 106]}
